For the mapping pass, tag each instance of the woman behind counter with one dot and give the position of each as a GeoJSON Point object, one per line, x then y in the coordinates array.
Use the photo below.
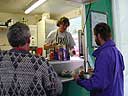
{"type": "Point", "coordinates": [60, 35]}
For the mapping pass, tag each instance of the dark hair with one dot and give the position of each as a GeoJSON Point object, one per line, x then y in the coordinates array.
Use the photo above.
{"type": "Point", "coordinates": [18, 34]}
{"type": "Point", "coordinates": [104, 30]}
{"type": "Point", "coordinates": [64, 20]}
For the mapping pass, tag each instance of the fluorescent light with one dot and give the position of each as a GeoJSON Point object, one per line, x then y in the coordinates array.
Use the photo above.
{"type": "Point", "coordinates": [34, 6]}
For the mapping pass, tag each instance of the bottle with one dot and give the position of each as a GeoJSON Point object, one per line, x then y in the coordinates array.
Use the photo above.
{"type": "Point", "coordinates": [60, 52]}
{"type": "Point", "coordinates": [67, 54]}
{"type": "Point", "coordinates": [51, 54]}
{"type": "Point", "coordinates": [56, 53]}
{"type": "Point", "coordinates": [64, 53]}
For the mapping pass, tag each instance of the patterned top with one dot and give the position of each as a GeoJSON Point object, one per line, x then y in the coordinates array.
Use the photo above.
{"type": "Point", "coordinates": [24, 74]}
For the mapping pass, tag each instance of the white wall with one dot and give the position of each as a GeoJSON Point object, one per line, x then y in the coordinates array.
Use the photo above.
{"type": "Point", "coordinates": [3, 40]}
{"type": "Point", "coordinates": [120, 20]}
{"type": "Point", "coordinates": [30, 19]}
{"type": "Point", "coordinates": [71, 14]}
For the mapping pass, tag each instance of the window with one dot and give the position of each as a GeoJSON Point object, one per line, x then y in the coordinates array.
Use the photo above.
{"type": "Point", "coordinates": [75, 25]}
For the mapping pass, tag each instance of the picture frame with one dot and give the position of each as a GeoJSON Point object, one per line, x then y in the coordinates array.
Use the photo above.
{"type": "Point", "coordinates": [96, 17]}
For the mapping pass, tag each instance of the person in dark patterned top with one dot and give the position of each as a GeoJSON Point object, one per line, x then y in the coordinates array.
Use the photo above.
{"type": "Point", "coordinates": [22, 73]}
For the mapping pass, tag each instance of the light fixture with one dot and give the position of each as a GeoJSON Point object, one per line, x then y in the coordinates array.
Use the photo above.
{"type": "Point", "coordinates": [34, 6]}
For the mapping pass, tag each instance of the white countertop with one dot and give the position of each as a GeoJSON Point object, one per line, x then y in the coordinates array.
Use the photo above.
{"type": "Point", "coordinates": [59, 62]}
{"type": "Point", "coordinates": [64, 79]}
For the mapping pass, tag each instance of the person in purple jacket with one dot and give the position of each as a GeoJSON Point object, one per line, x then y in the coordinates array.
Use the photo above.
{"type": "Point", "coordinates": [108, 79]}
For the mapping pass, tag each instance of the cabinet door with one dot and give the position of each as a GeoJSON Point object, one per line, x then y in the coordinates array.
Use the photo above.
{"type": "Point", "coordinates": [49, 26]}
{"type": "Point", "coordinates": [33, 30]}
{"type": "Point", "coordinates": [44, 27]}
{"type": "Point", "coordinates": [4, 45]}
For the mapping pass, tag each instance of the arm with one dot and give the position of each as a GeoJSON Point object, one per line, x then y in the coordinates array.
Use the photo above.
{"type": "Point", "coordinates": [102, 75]}
{"type": "Point", "coordinates": [50, 41]}
{"type": "Point", "coordinates": [51, 37]}
{"type": "Point", "coordinates": [50, 81]}
{"type": "Point", "coordinates": [71, 41]}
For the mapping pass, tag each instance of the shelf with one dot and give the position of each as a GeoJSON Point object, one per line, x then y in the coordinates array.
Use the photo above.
{"type": "Point", "coordinates": [3, 28]}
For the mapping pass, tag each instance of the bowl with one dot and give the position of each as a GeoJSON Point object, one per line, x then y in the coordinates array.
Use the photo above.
{"type": "Point", "coordinates": [69, 66]}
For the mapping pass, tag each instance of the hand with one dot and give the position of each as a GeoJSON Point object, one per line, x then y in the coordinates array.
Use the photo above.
{"type": "Point", "coordinates": [46, 46]}
{"type": "Point", "coordinates": [54, 44]}
{"type": "Point", "coordinates": [90, 70]}
{"type": "Point", "coordinates": [75, 76]}
{"type": "Point", "coordinates": [72, 52]}
{"type": "Point", "coordinates": [81, 75]}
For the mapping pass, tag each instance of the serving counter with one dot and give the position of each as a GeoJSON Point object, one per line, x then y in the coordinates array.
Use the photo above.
{"type": "Point", "coordinates": [70, 88]}
{"type": "Point", "coordinates": [69, 65]}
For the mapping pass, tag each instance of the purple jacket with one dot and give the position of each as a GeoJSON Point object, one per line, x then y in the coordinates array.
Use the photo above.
{"type": "Point", "coordinates": [108, 79]}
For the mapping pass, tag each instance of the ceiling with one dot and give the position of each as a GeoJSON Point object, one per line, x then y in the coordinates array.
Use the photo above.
{"type": "Point", "coordinates": [54, 7]}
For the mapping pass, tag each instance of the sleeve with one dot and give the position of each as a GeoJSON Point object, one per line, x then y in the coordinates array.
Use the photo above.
{"type": "Point", "coordinates": [102, 75]}
{"type": "Point", "coordinates": [52, 84]}
{"type": "Point", "coordinates": [71, 41]}
{"type": "Point", "coordinates": [50, 37]}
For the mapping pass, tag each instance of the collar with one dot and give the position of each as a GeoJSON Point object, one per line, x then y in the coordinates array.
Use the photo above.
{"type": "Point", "coordinates": [109, 43]}
{"type": "Point", "coordinates": [19, 50]}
